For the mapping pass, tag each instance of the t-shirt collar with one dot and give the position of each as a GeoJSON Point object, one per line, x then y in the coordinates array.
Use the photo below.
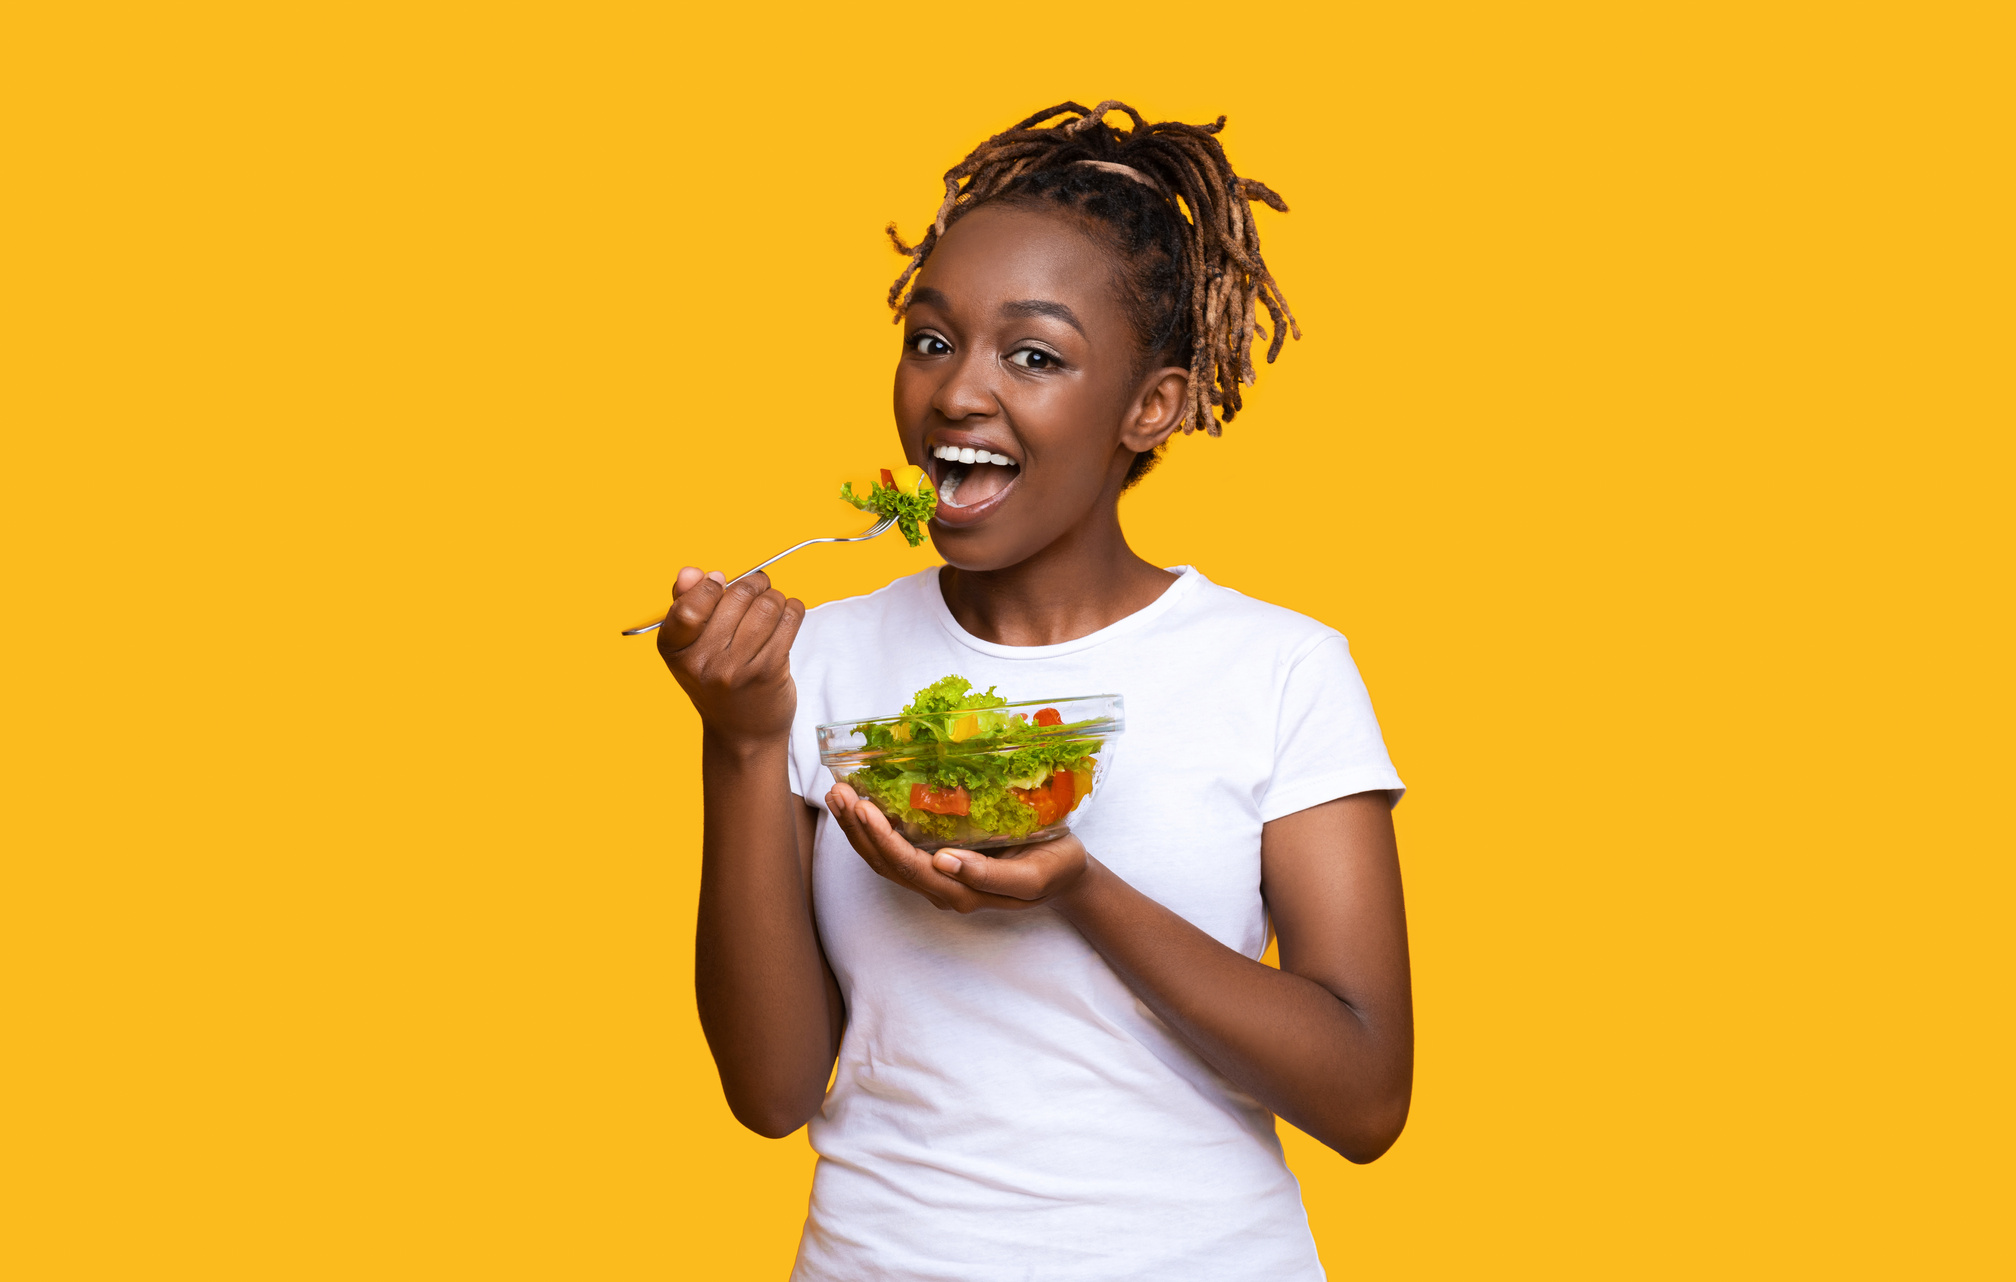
{"type": "Point", "coordinates": [1187, 581]}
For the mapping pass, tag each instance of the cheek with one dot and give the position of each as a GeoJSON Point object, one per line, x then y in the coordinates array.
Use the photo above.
{"type": "Point", "coordinates": [1076, 426]}
{"type": "Point", "coordinates": [912, 394]}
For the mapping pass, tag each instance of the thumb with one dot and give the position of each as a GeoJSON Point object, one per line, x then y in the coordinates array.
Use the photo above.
{"type": "Point", "coordinates": [952, 862]}
{"type": "Point", "coordinates": [992, 876]}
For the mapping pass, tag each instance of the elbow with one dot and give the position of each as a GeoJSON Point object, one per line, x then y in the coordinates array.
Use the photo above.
{"type": "Point", "coordinates": [773, 1109]}
{"type": "Point", "coordinates": [770, 1126]}
{"type": "Point", "coordinates": [1370, 1147]}
{"type": "Point", "coordinates": [773, 1120]}
{"type": "Point", "coordinates": [1366, 1136]}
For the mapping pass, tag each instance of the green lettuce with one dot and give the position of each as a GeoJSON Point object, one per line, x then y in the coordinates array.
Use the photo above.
{"type": "Point", "coordinates": [991, 753]}
{"type": "Point", "coordinates": [910, 510]}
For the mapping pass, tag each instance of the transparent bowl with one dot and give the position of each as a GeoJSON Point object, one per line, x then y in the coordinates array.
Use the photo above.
{"type": "Point", "coordinates": [954, 778]}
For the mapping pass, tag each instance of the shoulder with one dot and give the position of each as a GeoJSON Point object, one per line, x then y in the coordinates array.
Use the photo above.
{"type": "Point", "coordinates": [900, 605]}
{"type": "Point", "coordinates": [1252, 626]}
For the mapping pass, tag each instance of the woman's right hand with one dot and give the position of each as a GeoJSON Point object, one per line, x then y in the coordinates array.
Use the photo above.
{"type": "Point", "coordinates": [730, 649]}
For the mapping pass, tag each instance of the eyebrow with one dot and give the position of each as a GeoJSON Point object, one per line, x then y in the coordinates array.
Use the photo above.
{"type": "Point", "coordinates": [1043, 307]}
{"type": "Point", "coordinates": [1020, 307]}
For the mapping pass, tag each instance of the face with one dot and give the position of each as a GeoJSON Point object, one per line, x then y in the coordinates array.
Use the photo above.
{"type": "Point", "coordinates": [1017, 348]}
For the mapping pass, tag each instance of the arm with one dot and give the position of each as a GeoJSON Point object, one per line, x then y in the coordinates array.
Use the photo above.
{"type": "Point", "coordinates": [768, 1001]}
{"type": "Point", "coordinates": [1327, 1041]}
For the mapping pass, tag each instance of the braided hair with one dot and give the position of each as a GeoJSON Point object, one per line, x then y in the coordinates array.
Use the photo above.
{"type": "Point", "coordinates": [1165, 198]}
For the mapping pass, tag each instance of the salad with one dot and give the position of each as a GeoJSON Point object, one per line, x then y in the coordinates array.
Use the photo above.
{"type": "Point", "coordinates": [905, 494]}
{"type": "Point", "coordinates": [965, 767]}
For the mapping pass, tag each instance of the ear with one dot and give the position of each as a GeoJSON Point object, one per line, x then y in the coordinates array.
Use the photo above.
{"type": "Point", "coordinates": [1158, 410]}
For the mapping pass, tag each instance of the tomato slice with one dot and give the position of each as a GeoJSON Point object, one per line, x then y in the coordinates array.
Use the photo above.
{"type": "Point", "coordinates": [1051, 800]}
{"type": "Point", "coordinates": [888, 479]}
{"type": "Point", "coordinates": [1063, 791]}
{"type": "Point", "coordinates": [1040, 800]}
{"type": "Point", "coordinates": [1049, 717]}
{"type": "Point", "coordinates": [940, 801]}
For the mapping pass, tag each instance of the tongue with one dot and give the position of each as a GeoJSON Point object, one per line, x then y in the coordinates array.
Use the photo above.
{"type": "Point", "coordinates": [982, 482]}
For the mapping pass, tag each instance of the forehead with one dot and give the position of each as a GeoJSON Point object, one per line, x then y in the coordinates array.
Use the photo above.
{"type": "Point", "coordinates": [1002, 254]}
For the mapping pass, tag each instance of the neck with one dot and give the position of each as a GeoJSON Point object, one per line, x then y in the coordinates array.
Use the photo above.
{"type": "Point", "coordinates": [1087, 580]}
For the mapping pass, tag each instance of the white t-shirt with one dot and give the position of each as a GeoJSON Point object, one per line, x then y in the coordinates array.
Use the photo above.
{"type": "Point", "coordinates": [1004, 1108]}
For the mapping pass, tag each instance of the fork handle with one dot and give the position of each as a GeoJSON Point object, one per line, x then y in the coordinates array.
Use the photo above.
{"type": "Point", "coordinates": [652, 627]}
{"type": "Point", "coordinates": [780, 556]}
{"type": "Point", "coordinates": [880, 526]}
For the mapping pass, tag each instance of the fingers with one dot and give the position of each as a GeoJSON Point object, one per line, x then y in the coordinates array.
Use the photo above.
{"type": "Point", "coordinates": [759, 618]}
{"type": "Point", "coordinates": [710, 613]}
{"type": "Point", "coordinates": [1025, 874]}
{"type": "Point", "coordinates": [891, 856]}
{"type": "Point", "coordinates": [695, 598]}
{"type": "Point", "coordinates": [850, 813]}
{"type": "Point", "coordinates": [778, 648]}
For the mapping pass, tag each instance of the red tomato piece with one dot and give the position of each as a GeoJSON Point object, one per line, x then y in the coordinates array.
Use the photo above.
{"type": "Point", "coordinates": [1052, 800]}
{"type": "Point", "coordinates": [940, 801]}
{"type": "Point", "coordinates": [1049, 717]}
{"type": "Point", "coordinates": [1041, 801]}
{"type": "Point", "coordinates": [889, 480]}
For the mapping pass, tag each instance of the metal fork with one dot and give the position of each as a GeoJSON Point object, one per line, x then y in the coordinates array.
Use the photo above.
{"type": "Point", "coordinates": [870, 533]}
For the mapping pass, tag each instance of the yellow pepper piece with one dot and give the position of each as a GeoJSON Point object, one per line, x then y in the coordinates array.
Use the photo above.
{"type": "Point", "coordinates": [907, 478]}
{"type": "Point", "coordinates": [965, 727]}
{"type": "Point", "coordinates": [1081, 782]}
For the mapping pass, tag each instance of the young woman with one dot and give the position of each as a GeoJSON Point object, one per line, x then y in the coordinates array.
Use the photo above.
{"type": "Point", "coordinates": [1064, 1061]}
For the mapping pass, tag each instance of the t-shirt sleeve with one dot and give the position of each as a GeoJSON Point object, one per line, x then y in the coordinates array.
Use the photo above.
{"type": "Point", "coordinates": [809, 780]}
{"type": "Point", "coordinates": [1327, 742]}
{"type": "Point", "coordinates": [792, 762]}
{"type": "Point", "coordinates": [802, 762]}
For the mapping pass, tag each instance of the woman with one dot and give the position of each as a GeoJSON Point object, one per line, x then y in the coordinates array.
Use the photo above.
{"type": "Point", "coordinates": [1062, 1061]}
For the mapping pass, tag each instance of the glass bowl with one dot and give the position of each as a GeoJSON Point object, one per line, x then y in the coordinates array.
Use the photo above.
{"type": "Point", "coordinates": [979, 779]}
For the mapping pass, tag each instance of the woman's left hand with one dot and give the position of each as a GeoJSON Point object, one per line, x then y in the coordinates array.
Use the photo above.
{"type": "Point", "coordinates": [960, 880]}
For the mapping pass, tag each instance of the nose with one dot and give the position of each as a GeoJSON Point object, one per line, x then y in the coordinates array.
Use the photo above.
{"type": "Point", "coordinates": [964, 392]}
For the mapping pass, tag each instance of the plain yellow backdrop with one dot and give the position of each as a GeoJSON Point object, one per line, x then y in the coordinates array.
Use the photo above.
{"type": "Point", "coordinates": [367, 366]}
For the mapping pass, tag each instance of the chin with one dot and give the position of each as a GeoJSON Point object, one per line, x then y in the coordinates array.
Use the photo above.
{"type": "Point", "coordinates": [979, 550]}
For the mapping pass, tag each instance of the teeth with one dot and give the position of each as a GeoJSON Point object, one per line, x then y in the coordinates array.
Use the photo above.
{"type": "Point", "coordinates": [959, 454]}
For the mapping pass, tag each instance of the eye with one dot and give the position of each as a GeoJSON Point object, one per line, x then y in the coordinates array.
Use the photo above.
{"type": "Point", "coordinates": [929, 345]}
{"type": "Point", "coordinates": [1033, 358]}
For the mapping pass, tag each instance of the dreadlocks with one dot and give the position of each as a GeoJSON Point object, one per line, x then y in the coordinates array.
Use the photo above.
{"type": "Point", "coordinates": [1165, 196]}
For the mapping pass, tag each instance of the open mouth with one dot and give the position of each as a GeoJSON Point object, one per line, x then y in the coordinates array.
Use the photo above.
{"type": "Point", "coordinates": [968, 478]}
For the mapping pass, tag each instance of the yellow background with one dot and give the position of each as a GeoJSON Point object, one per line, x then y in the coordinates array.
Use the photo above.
{"type": "Point", "coordinates": [367, 367]}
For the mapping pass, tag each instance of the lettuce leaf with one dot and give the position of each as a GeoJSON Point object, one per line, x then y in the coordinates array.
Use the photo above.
{"type": "Point", "coordinates": [951, 694]}
{"type": "Point", "coordinates": [910, 510]}
{"type": "Point", "coordinates": [996, 753]}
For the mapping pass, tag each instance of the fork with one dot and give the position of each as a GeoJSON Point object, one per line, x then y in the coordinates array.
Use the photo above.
{"type": "Point", "coordinates": [870, 533]}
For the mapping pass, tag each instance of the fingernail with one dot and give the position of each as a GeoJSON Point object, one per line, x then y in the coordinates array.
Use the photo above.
{"type": "Point", "coordinates": [947, 864]}
{"type": "Point", "coordinates": [717, 576]}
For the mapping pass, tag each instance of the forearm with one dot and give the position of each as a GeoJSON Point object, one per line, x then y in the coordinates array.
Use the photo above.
{"type": "Point", "coordinates": [767, 1000]}
{"type": "Point", "coordinates": [1341, 1074]}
